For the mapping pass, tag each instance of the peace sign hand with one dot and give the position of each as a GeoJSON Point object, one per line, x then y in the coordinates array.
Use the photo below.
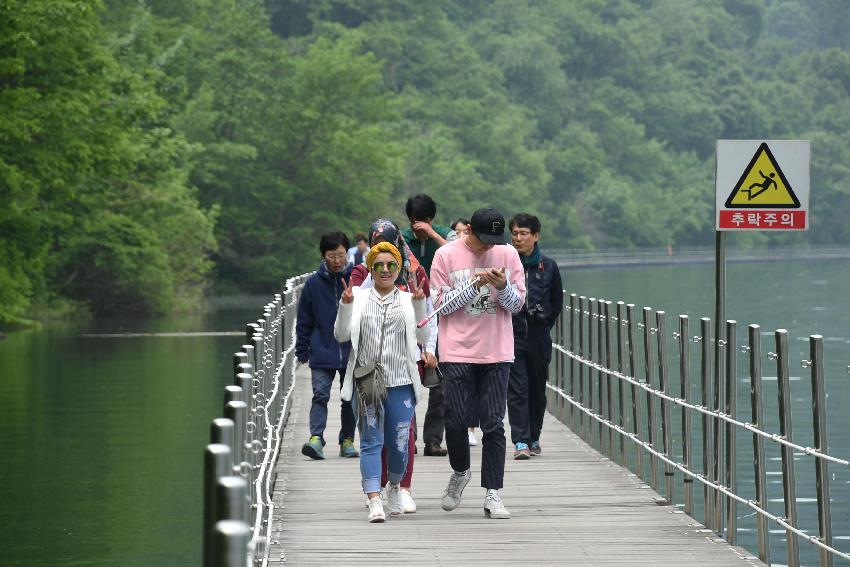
{"type": "Point", "coordinates": [416, 289]}
{"type": "Point", "coordinates": [347, 294]}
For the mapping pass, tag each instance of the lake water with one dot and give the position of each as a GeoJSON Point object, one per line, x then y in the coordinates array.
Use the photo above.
{"type": "Point", "coordinates": [102, 438]}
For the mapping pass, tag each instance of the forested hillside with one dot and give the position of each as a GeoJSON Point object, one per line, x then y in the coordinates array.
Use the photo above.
{"type": "Point", "coordinates": [151, 152]}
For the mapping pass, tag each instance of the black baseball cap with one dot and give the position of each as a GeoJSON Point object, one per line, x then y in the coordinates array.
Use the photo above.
{"type": "Point", "coordinates": [489, 226]}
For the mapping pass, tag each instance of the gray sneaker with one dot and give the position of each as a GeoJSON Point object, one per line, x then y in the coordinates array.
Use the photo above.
{"type": "Point", "coordinates": [493, 507]}
{"type": "Point", "coordinates": [453, 492]}
{"type": "Point", "coordinates": [394, 500]}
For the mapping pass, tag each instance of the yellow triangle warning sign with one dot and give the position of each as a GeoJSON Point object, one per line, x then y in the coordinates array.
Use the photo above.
{"type": "Point", "coordinates": [763, 185]}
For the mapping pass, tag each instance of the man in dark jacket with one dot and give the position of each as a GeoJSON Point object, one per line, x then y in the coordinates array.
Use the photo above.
{"type": "Point", "coordinates": [315, 343]}
{"type": "Point", "coordinates": [544, 300]}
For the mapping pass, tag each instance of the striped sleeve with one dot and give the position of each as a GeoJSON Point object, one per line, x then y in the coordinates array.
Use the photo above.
{"type": "Point", "coordinates": [510, 299]}
{"type": "Point", "coordinates": [454, 299]}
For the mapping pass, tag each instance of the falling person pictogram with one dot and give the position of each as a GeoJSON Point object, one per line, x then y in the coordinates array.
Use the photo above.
{"type": "Point", "coordinates": [763, 186]}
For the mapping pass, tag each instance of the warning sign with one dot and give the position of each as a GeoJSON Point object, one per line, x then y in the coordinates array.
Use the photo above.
{"type": "Point", "coordinates": [762, 184]}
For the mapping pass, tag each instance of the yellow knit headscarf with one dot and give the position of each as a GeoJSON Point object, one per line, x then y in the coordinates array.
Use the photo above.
{"type": "Point", "coordinates": [382, 247]}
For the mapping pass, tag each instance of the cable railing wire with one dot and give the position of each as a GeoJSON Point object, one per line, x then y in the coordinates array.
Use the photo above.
{"type": "Point", "coordinates": [584, 367]}
{"type": "Point", "coordinates": [696, 476]}
{"type": "Point", "coordinates": [702, 409]}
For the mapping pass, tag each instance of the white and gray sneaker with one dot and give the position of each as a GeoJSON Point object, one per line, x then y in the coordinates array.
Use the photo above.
{"type": "Point", "coordinates": [394, 501]}
{"type": "Point", "coordinates": [383, 496]}
{"type": "Point", "coordinates": [407, 501]}
{"type": "Point", "coordinates": [493, 507]}
{"type": "Point", "coordinates": [453, 492]}
{"type": "Point", "coordinates": [376, 510]}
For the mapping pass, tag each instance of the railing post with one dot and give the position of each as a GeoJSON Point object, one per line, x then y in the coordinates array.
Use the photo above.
{"type": "Point", "coordinates": [649, 371]}
{"type": "Point", "coordinates": [664, 386]}
{"type": "Point", "coordinates": [788, 487]}
{"type": "Point", "coordinates": [237, 412]}
{"type": "Point", "coordinates": [262, 376]}
{"type": "Point", "coordinates": [582, 369]}
{"type": "Point", "coordinates": [271, 363]}
{"type": "Point", "coordinates": [636, 421]}
{"type": "Point", "coordinates": [600, 376]}
{"type": "Point", "coordinates": [563, 376]}
{"type": "Point", "coordinates": [232, 498]}
{"type": "Point", "coordinates": [554, 377]}
{"type": "Point", "coordinates": [731, 445]}
{"type": "Point", "coordinates": [685, 393]}
{"type": "Point", "coordinates": [609, 382]}
{"type": "Point", "coordinates": [707, 450]}
{"type": "Point", "coordinates": [231, 544]}
{"type": "Point", "coordinates": [239, 358]}
{"type": "Point", "coordinates": [621, 387]}
{"type": "Point", "coordinates": [717, 428]}
{"type": "Point", "coordinates": [574, 304]}
{"type": "Point", "coordinates": [233, 393]}
{"type": "Point", "coordinates": [221, 432]}
{"type": "Point", "coordinates": [592, 317]}
{"type": "Point", "coordinates": [217, 458]}
{"type": "Point", "coordinates": [821, 465]}
{"type": "Point", "coordinates": [601, 384]}
{"type": "Point", "coordinates": [757, 403]}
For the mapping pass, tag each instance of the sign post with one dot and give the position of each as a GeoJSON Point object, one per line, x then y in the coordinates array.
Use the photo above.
{"type": "Point", "coordinates": [759, 185]}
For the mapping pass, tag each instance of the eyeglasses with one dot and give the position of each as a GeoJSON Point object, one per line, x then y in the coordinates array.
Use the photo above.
{"type": "Point", "coordinates": [335, 257]}
{"type": "Point", "coordinates": [521, 233]}
{"type": "Point", "coordinates": [379, 267]}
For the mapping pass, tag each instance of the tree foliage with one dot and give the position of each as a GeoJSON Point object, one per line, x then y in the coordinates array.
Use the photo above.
{"type": "Point", "coordinates": [151, 149]}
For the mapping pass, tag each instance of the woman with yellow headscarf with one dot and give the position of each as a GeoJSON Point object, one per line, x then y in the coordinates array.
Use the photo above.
{"type": "Point", "coordinates": [382, 379]}
{"type": "Point", "coordinates": [386, 230]}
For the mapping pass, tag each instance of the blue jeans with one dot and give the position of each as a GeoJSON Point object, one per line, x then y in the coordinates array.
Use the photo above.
{"type": "Point", "coordinates": [389, 427]}
{"type": "Point", "coordinates": [322, 379]}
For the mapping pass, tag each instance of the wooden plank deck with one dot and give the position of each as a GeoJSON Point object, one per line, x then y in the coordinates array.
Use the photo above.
{"type": "Point", "coordinates": [569, 506]}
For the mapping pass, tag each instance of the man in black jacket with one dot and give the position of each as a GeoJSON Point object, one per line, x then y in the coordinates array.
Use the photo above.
{"type": "Point", "coordinates": [315, 343]}
{"type": "Point", "coordinates": [544, 300]}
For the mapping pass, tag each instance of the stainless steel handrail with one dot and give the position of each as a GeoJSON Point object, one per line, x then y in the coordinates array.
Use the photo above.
{"type": "Point", "coordinates": [239, 470]}
{"type": "Point", "coordinates": [582, 371]}
{"type": "Point", "coordinates": [702, 409]}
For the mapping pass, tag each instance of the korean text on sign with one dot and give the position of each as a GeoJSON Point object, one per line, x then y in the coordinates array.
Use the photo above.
{"type": "Point", "coordinates": [765, 220]}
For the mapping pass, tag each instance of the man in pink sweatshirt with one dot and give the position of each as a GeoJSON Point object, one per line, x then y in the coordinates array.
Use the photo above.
{"type": "Point", "coordinates": [477, 348]}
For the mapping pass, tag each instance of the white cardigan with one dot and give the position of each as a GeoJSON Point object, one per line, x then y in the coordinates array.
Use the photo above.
{"type": "Point", "coordinates": [347, 327]}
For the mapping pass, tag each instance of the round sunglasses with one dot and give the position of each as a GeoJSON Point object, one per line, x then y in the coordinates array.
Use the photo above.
{"type": "Point", "coordinates": [379, 266]}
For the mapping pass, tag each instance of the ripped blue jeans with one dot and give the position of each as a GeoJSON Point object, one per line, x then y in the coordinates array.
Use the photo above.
{"type": "Point", "coordinates": [389, 427]}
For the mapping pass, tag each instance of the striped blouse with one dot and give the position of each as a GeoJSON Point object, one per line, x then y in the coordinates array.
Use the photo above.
{"type": "Point", "coordinates": [392, 356]}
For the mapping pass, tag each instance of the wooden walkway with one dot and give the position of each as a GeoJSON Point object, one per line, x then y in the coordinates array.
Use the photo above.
{"type": "Point", "coordinates": [569, 506]}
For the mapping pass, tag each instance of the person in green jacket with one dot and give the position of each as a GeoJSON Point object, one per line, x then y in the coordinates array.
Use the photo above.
{"type": "Point", "coordinates": [424, 238]}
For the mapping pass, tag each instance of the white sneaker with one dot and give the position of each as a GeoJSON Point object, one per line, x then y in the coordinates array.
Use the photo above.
{"type": "Point", "coordinates": [493, 507]}
{"type": "Point", "coordinates": [454, 490]}
{"type": "Point", "coordinates": [406, 501]}
{"type": "Point", "coordinates": [393, 500]}
{"type": "Point", "coordinates": [383, 496]}
{"type": "Point", "coordinates": [473, 441]}
{"type": "Point", "coordinates": [376, 510]}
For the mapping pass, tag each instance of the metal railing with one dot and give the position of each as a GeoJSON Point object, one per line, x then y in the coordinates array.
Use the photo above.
{"type": "Point", "coordinates": [599, 389]}
{"type": "Point", "coordinates": [239, 462]}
